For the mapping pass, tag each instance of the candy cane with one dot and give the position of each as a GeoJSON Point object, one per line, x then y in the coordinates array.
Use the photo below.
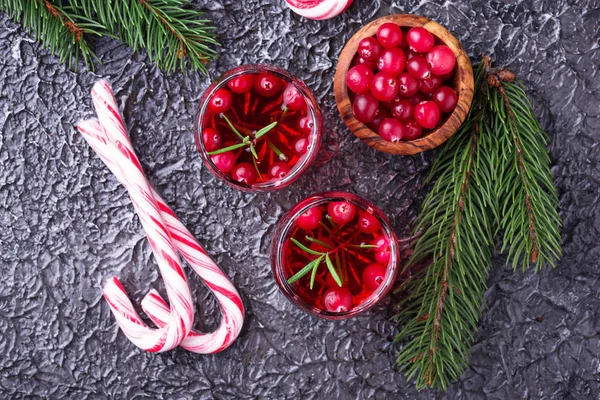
{"type": "Point", "coordinates": [182, 315]}
{"type": "Point", "coordinates": [318, 9]}
{"type": "Point", "coordinates": [156, 308]}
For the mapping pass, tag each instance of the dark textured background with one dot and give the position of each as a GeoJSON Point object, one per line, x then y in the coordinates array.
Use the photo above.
{"type": "Point", "coordinates": [66, 225]}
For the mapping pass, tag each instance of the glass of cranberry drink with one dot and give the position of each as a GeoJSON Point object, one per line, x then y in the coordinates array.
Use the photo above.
{"type": "Point", "coordinates": [334, 255]}
{"type": "Point", "coordinates": [258, 128]}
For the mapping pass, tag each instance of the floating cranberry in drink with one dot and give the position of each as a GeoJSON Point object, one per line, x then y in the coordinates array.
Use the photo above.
{"type": "Point", "coordinates": [258, 128]}
{"type": "Point", "coordinates": [334, 255]}
{"type": "Point", "coordinates": [411, 80]}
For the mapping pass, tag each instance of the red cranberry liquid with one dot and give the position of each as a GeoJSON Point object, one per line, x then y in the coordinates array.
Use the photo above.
{"type": "Point", "coordinates": [358, 249]}
{"type": "Point", "coordinates": [236, 114]}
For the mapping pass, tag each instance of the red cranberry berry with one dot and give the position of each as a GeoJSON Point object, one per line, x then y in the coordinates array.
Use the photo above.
{"type": "Point", "coordinates": [402, 110]}
{"type": "Point", "coordinates": [428, 86]}
{"type": "Point", "coordinates": [382, 114]}
{"type": "Point", "coordinates": [371, 64]}
{"type": "Point", "coordinates": [390, 103]}
{"type": "Point", "coordinates": [427, 114]}
{"type": "Point", "coordinates": [403, 43]}
{"type": "Point", "coordinates": [413, 130]}
{"type": "Point", "coordinates": [389, 35]}
{"type": "Point", "coordinates": [365, 107]}
{"type": "Point", "coordinates": [221, 101]}
{"type": "Point", "coordinates": [391, 130]}
{"type": "Point", "coordinates": [447, 76]}
{"type": "Point", "coordinates": [267, 85]}
{"type": "Point", "coordinates": [292, 98]}
{"type": "Point", "coordinates": [383, 250]}
{"type": "Point", "coordinates": [420, 39]}
{"type": "Point", "coordinates": [244, 173]}
{"type": "Point", "coordinates": [224, 161]}
{"type": "Point", "coordinates": [418, 68]}
{"type": "Point", "coordinates": [407, 85]}
{"type": "Point", "coordinates": [279, 170]}
{"type": "Point", "coordinates": [410, 54]}
{"type": "Point", "coordinates": [417, 98]}
{"type": "Point", "coordinates": [446, 98]}
{"type": "Point", "coordinates": [441, 60]}
{"type": "Point", "coordinates": [384, 87]}
{"type": "Point", "coordinates": [211, 139]}
{"type": "Point", "coordinates": [392, 61]}
{"type": "Point", "coordinates": [368, 223]}
{"type": "Point", "coordinates": [369, 49]}
{"type": "Point", "coordinates": [306, 124]}
{"type": "Point", "coordinates": [341, 212]}
{"type": "Point", "coordinates": [359, 78]}
{"type": "Point", "coordinates": [373, 276]}
{"type": "Point", "coordinates": [337, 299]}
{"type": "Point", "coordinates": [301, 146]}
{"type": "Point", "coordinates": [310, 219]}
{"type": "Point", "coordinates": [241, 84]}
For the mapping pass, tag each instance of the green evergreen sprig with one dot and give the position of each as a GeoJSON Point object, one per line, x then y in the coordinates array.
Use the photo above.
{"type": "Point", "coordinates": [492, 177]}
{"type": "Point", "coordinates": [64, 32]}
{"type": "Point", "coordinates": [527, 197]}
{"type": "Point", "coordinates": [172, 32]}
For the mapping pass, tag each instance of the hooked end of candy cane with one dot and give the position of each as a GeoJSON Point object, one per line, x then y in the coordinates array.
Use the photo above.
{"type": "Point", "coordinates": [156, 308]}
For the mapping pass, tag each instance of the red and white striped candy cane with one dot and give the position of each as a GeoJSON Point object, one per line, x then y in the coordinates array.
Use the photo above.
{"type": "Point", "coordinates": [181, 317]}
{"type": "Point", "coordinates": [318, 9]}
{"type": "Point", "coordinates": [156, 308]}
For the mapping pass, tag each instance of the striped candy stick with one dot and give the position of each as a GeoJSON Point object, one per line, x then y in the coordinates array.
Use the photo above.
{"type": "Point", "coordinates": [180, 322]}
{"type": "Point", "coordinates": [226, 294]}
{"type": "Point", "coordinates": [318, 9]}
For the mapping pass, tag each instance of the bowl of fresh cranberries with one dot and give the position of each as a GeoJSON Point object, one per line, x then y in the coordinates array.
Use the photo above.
{"type": "Point", "coordinates": [258, 128]}
{"type": "Point", "coordinates": [403, 84]}
{"type": "Point", "coordinates": [334, 255]}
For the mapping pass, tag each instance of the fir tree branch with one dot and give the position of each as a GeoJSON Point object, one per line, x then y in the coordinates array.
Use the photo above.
{"type": "Point", "coordinates": [528, 200]}
{"type": "Point", "coordinates": [494, 172]}
{"type": "Point", "coordinates": [442, 302]}
{"type": "Point", "coordinates": [58, 28]}
{"type": "Point", "coordinates": [170, 30]}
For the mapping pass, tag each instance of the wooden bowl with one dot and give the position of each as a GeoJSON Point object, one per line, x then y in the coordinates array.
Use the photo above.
{"type": "Point", "coordinates": [462, 83]}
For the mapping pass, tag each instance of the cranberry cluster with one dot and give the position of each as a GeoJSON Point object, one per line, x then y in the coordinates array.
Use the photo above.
{"type": "Point", "coordinates": [397, 82]}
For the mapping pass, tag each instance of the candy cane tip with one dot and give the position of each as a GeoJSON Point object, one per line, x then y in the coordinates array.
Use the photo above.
{"type": "Point", "coordinates": [113, 284]}
{"type": "Point", "coordinates": [102, 83]}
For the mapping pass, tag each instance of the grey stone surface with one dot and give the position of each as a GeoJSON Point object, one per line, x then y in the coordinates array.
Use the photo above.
{"type": "Point", "coordinates": [66, 225]}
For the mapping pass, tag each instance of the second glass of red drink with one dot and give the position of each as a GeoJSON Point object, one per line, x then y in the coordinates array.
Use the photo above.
{"type": "Point", "coordinates": [334, 255]}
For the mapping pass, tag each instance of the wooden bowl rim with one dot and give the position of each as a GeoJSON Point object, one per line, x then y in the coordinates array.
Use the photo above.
{"type": "Point", "coordinates": [463, 83]}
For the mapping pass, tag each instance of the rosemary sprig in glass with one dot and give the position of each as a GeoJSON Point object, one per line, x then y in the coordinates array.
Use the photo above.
{"type": "Point", "coordinates": [312, 267]}
{"type": "Point", "coordinates": [249, 141]}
